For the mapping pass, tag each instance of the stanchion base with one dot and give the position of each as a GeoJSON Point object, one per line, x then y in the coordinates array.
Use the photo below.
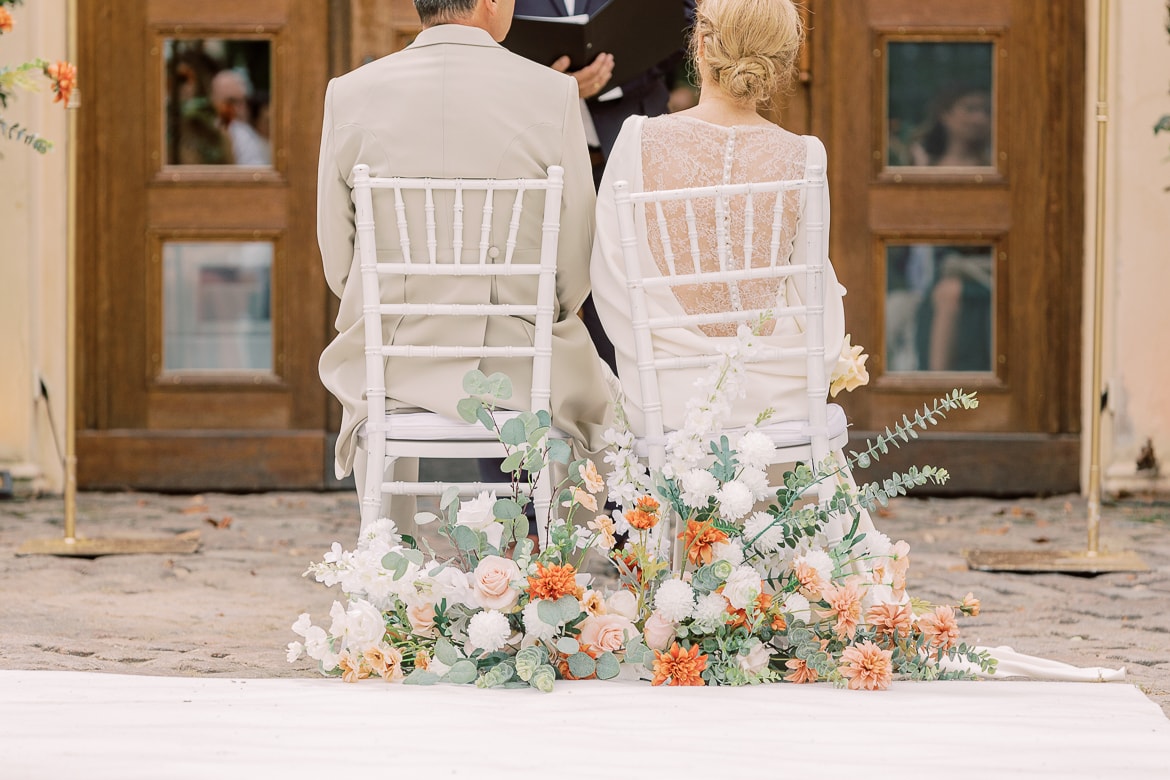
{"type": "Point", "coordinates": [1058, 561]}
{"type": "Point", "coordinates": [183, 544]}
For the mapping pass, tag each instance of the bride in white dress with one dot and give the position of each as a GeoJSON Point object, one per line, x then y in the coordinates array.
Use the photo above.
{"type": "Point", "coordinates": [745, 52]}
{"type": "Point", "coordinates": [722, 140]}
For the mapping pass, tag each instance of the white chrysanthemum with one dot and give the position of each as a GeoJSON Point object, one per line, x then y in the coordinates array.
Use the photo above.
{"type": "Point", "coordinates": [735, 499]}
{"type": "Point", "coordinates": [880, 594]}
{"type": "Point", "coordinates": [710, 612]}
{"type": "Point", "coordinates": [797, 605]}
{"type": "Point", "coordinates": [534, 627]}
{"type": "Point", "coordinates": [698, 485]}
{"type": "Point", "coordinates": [729, 551]}
{"type": "Point", "coordinates": [876, 544]}
{"type": "Point", "coordinates": [319, 648]}
{"type": "Point", "coordinates": [295, 650]}
{"type": "Point", "coordinates": [381, 530]}
{"type": "Point", "coordinates": [488, 630]}
{"type": "Point", "coordinates": [742, 587]}
{"type": "Point", "coordinates": [765, 530]}
{"type": "Point", "coordinates": [757, 482]}
{"type": "Point", "coordinates": [820, 560]}
{"type": "Point", "coordinates": [755, 450]}
{"type": "Point", "coordinates": [675, 599]}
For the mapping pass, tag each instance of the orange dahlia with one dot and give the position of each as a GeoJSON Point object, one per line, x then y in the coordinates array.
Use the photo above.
{"type": "Point", "coordinates": [845, 604]}
{"type": "Point", "coordinates": [970, 605]}
{"type": "Point", "coordinates": [939, 627]}
{"type": "Point", "coordinates": [867, 666]}
{"type": "Point", "coordinates": [891, 620]}
{"type": "Point", "coordinates": [801, 671]}
{"type": "Point", "coordinates": [64, 77]}
{"type": "Point", "coordinates": [698, 538]}
{"type": "Point", "coordinates": [762, 606]}
{"type": "Point", "coordinates": [681, 667]}
{"type": "Point", "coordinates": [5, 21]}
{"type": "Point", "coordinates": [553, 581]}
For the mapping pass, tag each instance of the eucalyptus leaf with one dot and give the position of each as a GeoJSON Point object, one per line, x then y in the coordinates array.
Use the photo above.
{"type": "Point", "coordinates": [446, 652]}
{"type": "Point", "coordinates": [608, 667]}
{"type": "Point", "coordinates": [485, 418]}
{"type": "Point", "coordinates": [425, 518]}
{"type": "Point", "coordinates": [512, 432]}
{"type": "Point", "coordinates": [544, 418]}
{"type": "Point", "coordinates": [466, 538]}
{"type": "Point", "coordinates": [568, 608]}
{"type": "Point", "coordinates": [548, 612]}
{"type": "Point", "coordinates": [468, 409]}
{"type": "Point", "coordinates": [391, 560]}
{"type": "Point", "coordinates": [524, 547]}
{"type": "Point", "coordinates": [414, 556]}
{"type": "Point", "coordinates": [450, 496]}
{"type": "Point", "coordinates": [475, 382]}
{"type": "Point", "coordinates": [534, 461]}
{"type": "Point", "coordinates": [506, 509]}
{"type": "Point", "coordinates": [558, 451]}
{"type": "Point", "coordinates": [519, 528]}
{"type": "Point", "coordinates": [527, 660]}
{"type": "Point", "coordinates": [500, 386]}
{"type": "Point", "coordinates": [542, 678]}
{"type": "Point", "coordinates": [567, 645]}
{"type": "Point", "coordinates": [581, 665]}
{"type": "Point", "coordinates": [421, 677]}
{"type": "Point", "coordinates": [512, 462]}
{"type": "Point", "coordinates": [462, 673]}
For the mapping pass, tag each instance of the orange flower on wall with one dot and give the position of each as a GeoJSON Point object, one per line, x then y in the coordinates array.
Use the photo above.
{"type": "Point", "coordinates": [5, 21]}
{"type": "Point", "coordinates": [64, 78]}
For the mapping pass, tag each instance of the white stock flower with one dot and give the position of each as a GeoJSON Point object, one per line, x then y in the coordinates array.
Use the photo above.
{"type": "Point", "coordinates": [797, 605]}
{"type": "Point", "coordinates": [449, 583]}
{"type": "Point", "coordinates": [710, 612]}
{"type": "Point", "coordinates": [729, 551]}
{"type": "Point", "coordinates": [742, 587]}
{"type": "Point", "coordinates": [755, 450]}
{"type": "Point", "coordinates": [381, 530]}
{"type": "Point", "coordinates": [534, 627]}
{"type": "Point", "coordinates": [767, 528]}
{"type": "Point", "coordinates": [698, 485]}
{"type": "Point", "coordinates": [675, 600]}
{"type": "Point", "coordinates": [479, 514]}
{"type": "Point", "coordinates": [295, 650]}
{"type": "Point", "coordinates": [757, 482]}
{"type": "Point", "coordinates": [735, 499]}
{"type": "Point", "coordinates": [303, 624]}
{"type": "Point", "coordinates": [489, 630]}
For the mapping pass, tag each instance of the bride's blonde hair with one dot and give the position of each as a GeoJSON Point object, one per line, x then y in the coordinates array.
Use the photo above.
{"type": "Point", "coordinates": [749, 47]}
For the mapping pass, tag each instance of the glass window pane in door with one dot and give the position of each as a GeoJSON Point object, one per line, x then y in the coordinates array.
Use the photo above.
{"type": "Point", "coordinates": [216, 306]}
{"type": "Point", "coordinates": [939, 104]}
{"type": "Point", "coordinates": [217, 101]}
{"type": "Point", "coordinates": [939, 307]}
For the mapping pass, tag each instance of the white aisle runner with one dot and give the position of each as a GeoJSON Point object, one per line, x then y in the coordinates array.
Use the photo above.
{"type": "Point", "coordinates": [92, 726]}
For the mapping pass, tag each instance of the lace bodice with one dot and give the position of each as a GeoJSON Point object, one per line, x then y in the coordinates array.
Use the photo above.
{"type": "Point", "coordinates": [680, 152]}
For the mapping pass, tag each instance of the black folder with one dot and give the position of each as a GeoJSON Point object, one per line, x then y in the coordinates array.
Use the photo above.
{"type": "Point", "coordinates": [638, 33]}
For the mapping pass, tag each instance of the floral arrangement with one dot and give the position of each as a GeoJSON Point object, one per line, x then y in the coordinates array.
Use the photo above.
{"type": "Point", "coordinates": [722, 579]}
{"type": "Point", "coordinates": [62, 78]}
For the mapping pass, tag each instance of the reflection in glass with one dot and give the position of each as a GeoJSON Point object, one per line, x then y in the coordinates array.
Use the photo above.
{"type": "Point", "coordinates": [216, 298]}
{"type": "Point", "coordinates": [939, 307]}
{"type": "Point", "coordinates": [939, 104]}
{"type": "Point", "coordinates": [217, 101]}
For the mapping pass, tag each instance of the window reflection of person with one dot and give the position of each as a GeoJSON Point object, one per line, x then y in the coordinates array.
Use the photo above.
{"type": "Point", "coordinates": [958, 133]}
{"type": "Point", "coordinates": [229, 96]}
{"type": "Point", "coordinates": [195, 137]}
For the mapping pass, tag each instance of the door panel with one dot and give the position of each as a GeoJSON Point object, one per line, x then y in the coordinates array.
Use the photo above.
{"type": "Point", "coordinates": [955, 171]}
{"type": "Point", "coordinates": [203, 305]}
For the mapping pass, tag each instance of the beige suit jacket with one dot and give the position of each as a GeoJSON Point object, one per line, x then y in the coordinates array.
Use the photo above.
{"type": "Point", "coordinates": [456, 104]}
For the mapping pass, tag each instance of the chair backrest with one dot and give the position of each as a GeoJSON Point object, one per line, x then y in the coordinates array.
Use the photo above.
{"type": "Point", "coordinates": [446, 256]}
{"type": "Point", "coordinates": [731, 265]}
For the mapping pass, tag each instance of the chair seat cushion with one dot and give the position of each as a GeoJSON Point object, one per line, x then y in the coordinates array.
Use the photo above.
{"type": "Point", "coordinates": [428, 426]}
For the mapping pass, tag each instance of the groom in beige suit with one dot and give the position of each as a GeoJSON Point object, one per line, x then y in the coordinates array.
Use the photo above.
{"type": "Point", "coordinates": [456, 104]}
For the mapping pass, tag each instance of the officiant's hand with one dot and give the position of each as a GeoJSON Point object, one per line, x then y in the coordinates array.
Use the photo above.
{"type": "Point", "coordinates": [591, 79]}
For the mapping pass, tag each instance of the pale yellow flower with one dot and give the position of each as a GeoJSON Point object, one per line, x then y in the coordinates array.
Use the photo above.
{"type": "Point", "coordinates": [594, 482]}
{"type": "Point", "coordinates": [850, 372]}
{"type": "Point", "coordinates": [582, 498]}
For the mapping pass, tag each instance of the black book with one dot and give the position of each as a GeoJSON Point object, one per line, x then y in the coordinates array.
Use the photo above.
{"type": "Point", "coordinates": [638, 33]}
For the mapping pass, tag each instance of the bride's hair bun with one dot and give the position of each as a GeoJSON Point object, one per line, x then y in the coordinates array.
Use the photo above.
{"type": "Point", "coordinates": [747, 47]}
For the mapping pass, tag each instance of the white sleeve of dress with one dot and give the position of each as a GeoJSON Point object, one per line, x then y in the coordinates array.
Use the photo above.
{"type": "Point", "coordinates": [607, 266]}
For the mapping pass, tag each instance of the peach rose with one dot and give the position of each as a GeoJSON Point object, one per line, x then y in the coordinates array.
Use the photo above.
{"type": "Point", "coordinates": [658, 632]}
{"type": "Point", "coordinates": [606, 632]}
{"type": "Point", "coordinates": [422, 618]}
{"type": "Point", "coordinates": [492, 582]}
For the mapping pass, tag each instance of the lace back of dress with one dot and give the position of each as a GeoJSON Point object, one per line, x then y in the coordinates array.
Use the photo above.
{"type": "Point", "coordinates": [681, 153]}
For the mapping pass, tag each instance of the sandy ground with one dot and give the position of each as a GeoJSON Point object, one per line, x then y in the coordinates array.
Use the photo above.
{"type": "Point", "coordinates": [225, 611]}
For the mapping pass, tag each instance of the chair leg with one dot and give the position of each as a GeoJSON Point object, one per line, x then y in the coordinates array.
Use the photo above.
{"type": "Point", "coordinates": [371, 508]}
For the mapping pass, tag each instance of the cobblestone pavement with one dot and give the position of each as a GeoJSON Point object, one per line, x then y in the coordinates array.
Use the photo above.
{"type": "Point", "coordinates": [225, 611]}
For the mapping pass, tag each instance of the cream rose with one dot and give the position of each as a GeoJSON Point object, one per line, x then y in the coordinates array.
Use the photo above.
{"type": "Point", "coordinates": [658, 632]}
{"type": "Point", "coordinates": [607, 632]}
{"type": "Point", "coordinates": [623, 603]}
{"type": "Point", "coordinates": [742, 587]}
{"type": "Point", "coordinates": [756, 660]}
{"type": "Point", "coordinates": [492, 582]}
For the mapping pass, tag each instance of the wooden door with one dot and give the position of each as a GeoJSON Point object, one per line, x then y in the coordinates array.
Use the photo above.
{"type": "Point", "coordinates": [955, 138]}
{"type": "Point", "coordinates": [202, 306]}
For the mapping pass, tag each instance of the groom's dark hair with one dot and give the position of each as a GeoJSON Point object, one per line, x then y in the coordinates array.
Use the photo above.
{"type": "Point", "coordinates": [440, 11]}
